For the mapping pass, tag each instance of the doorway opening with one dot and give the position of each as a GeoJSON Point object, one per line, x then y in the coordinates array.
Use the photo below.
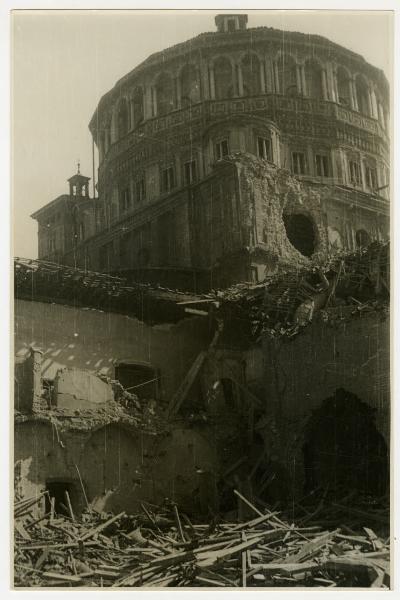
{"type": "Point", "coordinates": [57, 489]}
{"type": "Point", "coordinates": [343, 450]}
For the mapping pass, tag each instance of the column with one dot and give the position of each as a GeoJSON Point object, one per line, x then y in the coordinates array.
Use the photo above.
{"type": "Point", "coordinates": [374, 104]}
{"type": "Point", "coordinates": [276, 78]}
{"type": "Point", "coordinates": [269, 76]}
{"type": "Point", "coordinates": [212, 81]}
{"type": "Point", "coordinates": [370, 109]}
{"type": "Point", "coordinates": [332, 87]}
{"type": "Point", "coordinates": [262, 76]}
{"type": "Point", "coordinates": [113, 129]}
{"type": "Point", "coordinates": [153, 101]}
{"type": "Point", "coordinates": [240, 79]}
{"type": "Point", "coordinates": [303, 79]}
{"type": "Point", "coordinates": [178, 88]}
{"type": "Point", "coordinates": [235, 82]}
{"type": "Point", "coordinates": [298, 79]}
{"type": "Point", "coordinates": [147, 102]}
{"type": "Point", "coordinates": [324, 85]}
{"type": "Point", "coordinates": [131, 114]}
{"type": "Point", "coordinates": [353, 94]}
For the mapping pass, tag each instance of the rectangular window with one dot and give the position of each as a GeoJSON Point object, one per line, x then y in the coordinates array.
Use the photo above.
{"type": "Point", "coordinates": [299, 163]}
{"type": "Point", "coordinates": [322, 165]}
{"type": "Point", "coordinates": [52, 243]}
{"type": "Point", "coordinates": [371, 177]}
{"type": "Point", "coordinates": [264, 148]}
{"type": "Point", "coordinates": [221, 149]}
{"type": "Point", "coordinates": [167, 179]}
{"type": "Point", "coordinates": [190, 172]}
{"type": "Point", "coordinates": [355, 172]}
{"type": "Point", "coordinates": [140, 188]}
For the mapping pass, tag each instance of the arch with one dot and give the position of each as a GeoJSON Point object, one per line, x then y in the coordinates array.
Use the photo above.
{"type": "Point", "coordinates": [251, 74]}
{"type": "Point", "coordinates": [190, 85]}
{"type": "Point", "coordinates": [313, 77]}
{"type": "Point", "coordinates": [343, 450]}
{"type": "Point", "coordinates": [122, 118]}
{"type": "Point", "coordinates": [164, 93]}
{"type": "Point", "coordinates": [223, 78]}
{"type": "Point", "coordinates": [343, 80]}
{"type": "Point", "coordinates": [287, 75]}
{"type": "Point", "coordinates": [300, 232]}
{"type": "Point", "coordinates": [362, 94]}
{"type": "Point", "coordinates": [138, 106]}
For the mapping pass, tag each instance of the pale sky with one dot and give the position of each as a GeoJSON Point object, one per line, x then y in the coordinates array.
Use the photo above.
{"type": "Point", "coordinates": [64, 61]}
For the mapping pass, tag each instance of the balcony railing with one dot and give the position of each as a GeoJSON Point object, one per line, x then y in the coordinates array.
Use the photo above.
{"type": "Point", "coordinates": [269, 105]}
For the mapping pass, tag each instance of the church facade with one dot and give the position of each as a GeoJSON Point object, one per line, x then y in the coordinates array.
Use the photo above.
{"type": "Point", "coordinates": [227, 157]}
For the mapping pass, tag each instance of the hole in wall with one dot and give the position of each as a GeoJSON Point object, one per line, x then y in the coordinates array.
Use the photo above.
{"type": "Point", "coordinates": [300, 232]}
{"type": "Point", "coordinates": [56, 489]}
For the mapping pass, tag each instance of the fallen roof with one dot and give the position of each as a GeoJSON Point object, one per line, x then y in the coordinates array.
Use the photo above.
{"type": "Point", "coordinates": [356, 283]}
{"type": "Point", "coordinates": [42, 281]}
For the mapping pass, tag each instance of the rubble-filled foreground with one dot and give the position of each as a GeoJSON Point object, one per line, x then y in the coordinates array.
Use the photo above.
{"type": "Point", "coordinates": [264, 392]}
{"type": "Point", "coordinates": [162, 547]}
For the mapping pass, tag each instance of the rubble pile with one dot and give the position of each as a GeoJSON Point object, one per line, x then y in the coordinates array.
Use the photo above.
{"type": "Point", "coordinates": [347, 285]}
{"type": "Point", "coordinates": [161, 547]}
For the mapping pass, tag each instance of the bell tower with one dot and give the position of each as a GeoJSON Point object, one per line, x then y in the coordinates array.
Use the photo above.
{"type": "Point", "coordinates": [79, 185]}
{"type": "Point", "coordinates": [231, 23]}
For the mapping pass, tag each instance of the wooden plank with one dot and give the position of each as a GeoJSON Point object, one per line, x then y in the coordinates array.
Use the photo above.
{"type": "Point", "coordinates": [243, 499]}
{"type": "Point", "coordinates": [309, 549]}
{"type": "Point", "coordinates": [244, 563]}
{"type": "Point", "coordinates": [184, 388]}
{"type": "Point", "coordinates": [21, 530]}
{"type": "Point", "coordinates": [102, 526]}
{"type": "Point", "coordinates": [61, 577]}
{"type": "Point", "coordinates": [255, 522]}
{"type": "Point", "coordinates": [209, 582]}
{"type": "Point", "coordinates": [69, 505]}
{"type": "Point", "coordinates": [210, 558]}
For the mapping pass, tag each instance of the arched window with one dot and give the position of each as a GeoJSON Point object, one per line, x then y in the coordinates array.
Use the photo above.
{"type": "Point", "coordinates": [123, 118]}
{"type": "Point", "coordinates": [165, 94]}
{"type": "Point", "coordinates": [313, 76]}
{"type": "Point", "coordinates": [138, 112]}
{"type": "Point", "coordinates": [190, 85]}
{"type": "Point", "coordinates": [286, 68]}
{"type": "Point", "coordinates": [223, 78]}
{"type": "Point", "coordinates": [251, 75]}
{"type": "Point", "coordinates": [362, 95]}
{"type": "Point", "coordinates": [343, 87]}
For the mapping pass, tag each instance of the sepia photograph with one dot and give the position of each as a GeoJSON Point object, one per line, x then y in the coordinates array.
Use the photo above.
{"type": "Point", "coordinates": [201, 217]}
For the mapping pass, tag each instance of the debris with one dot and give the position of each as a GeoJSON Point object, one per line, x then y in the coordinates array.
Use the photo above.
{"type": "Point", "coordinates": [161, 550]}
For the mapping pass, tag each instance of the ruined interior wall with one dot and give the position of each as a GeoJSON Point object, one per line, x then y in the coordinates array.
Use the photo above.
{"type": "Point", "coordinates": [91, 339]}
{"type": "Point", "coordinates": [119, 467]}
{"type": "Point", "coordinates": [299, 374]}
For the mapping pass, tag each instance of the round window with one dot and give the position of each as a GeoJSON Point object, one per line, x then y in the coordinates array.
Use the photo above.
{"type": "Point", "coordinates": [300, 232]}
